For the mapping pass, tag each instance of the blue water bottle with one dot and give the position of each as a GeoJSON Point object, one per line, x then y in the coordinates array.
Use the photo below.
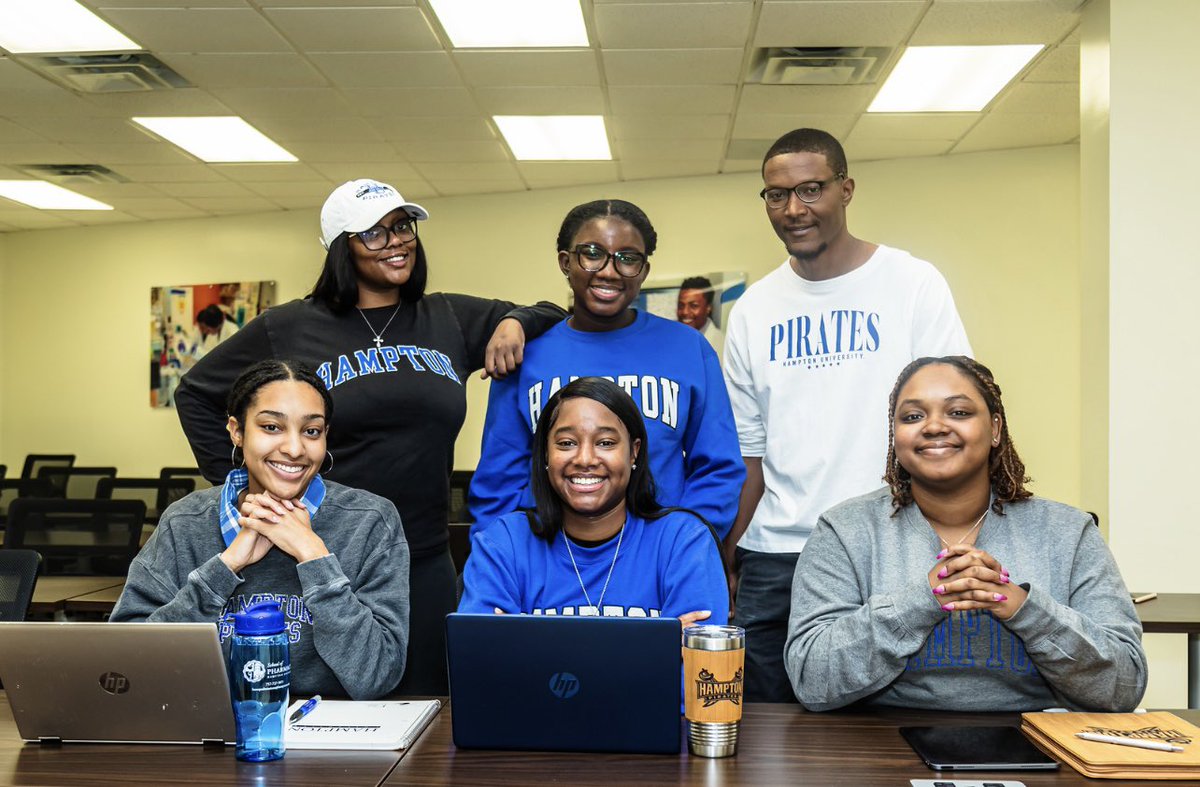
{"type": "Point", "coordinates": [260, 674]}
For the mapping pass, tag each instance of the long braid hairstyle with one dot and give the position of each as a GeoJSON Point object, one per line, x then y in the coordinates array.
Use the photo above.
{"type": "Point", "coordinates": [1006, 471]}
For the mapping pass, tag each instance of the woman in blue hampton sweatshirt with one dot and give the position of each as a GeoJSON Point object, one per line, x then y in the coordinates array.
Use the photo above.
{"type": "Point", "coordinates": [598, 543]}
{"type": "Point", "coordinates": [668, 369]}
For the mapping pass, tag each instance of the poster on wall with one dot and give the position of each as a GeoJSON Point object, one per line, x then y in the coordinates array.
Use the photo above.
{"type": "Point", "coordinates": [702, 301]}
{"type": "Point", "coordinates": [187, 321]}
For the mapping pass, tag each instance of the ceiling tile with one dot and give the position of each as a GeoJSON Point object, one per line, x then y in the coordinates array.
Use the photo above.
{"type": "Point", "coordinates": [33, 219]}
{"type": "Point", "coordinates": [227, 205]}
{"type": "Point", "coordinates": [677, 149]}
{"type": "Point", "coordinates": [442, 129]}
{"type": "Point", "coordinates": [541, 68]}
{"type": "Point", "coordinates": [185, 101]}
{"type": "Point", "coordinates": [111, 192]}
{"type": "Point", "coordinates": [449, 151]}
{"type": "Point", "coordinates": [582, 100]}
{"type": "Point", "coordinates": [221, 188]}
{"type": "Point", "coordinates": [400, 103]}
{"type": "Point", "coordinates": [315, 191]}
{"type": "Point", "coordinates": [36, 153]}
{"type": "Point", "coordinates": [307, 3]}
{"type": "Point", "coordinates": [85, 129]}
{"type": "Point", "coordinates": [397, 173]}
{"type": "Point", "coordinates": [356, 151]}
{"type": "Point", "coordinates": [115, 155]}
{"type": "Point", "coordinates": [875, 149]}
{"type": "Point", "coordinates": [198, 29]}
{"type": "Point", "coordinates": [356, 29]}
{"type": "Point", "coordinates": [840, 24]}
{"type": "Point", "coordinates": [436, 173]}
{"type": "Point", "coordinates": [1044, 97]}
{"type": "Point", "coordinates": [656, 126]}
{"type": "Point", "coordinates": [14, 76]}
{"type": "Point", "coordinates": [182, 173]}
{"type": "Point", "coordinates": [322, 128]}
{"type": "Point", "coordinates": [805, 99]}
{"type": "Point", "coordinates": [550, 174]}
{"type": "Point", "coordinates": [964, 22]}
{"type": "Point", "coordinates": [997, 131]}
{"type": "Point", "coordinates": [290, 172]}
{"type": "Point", "coordinates": [456, 188]}
{"type": "Point", "coordinates": [912, 126]}
{"type": "Point", "coordinates": [256, 102]}
{"type": "Point", "coordinates": [672, 66]}
{"type": "Point", "coordinates": [772, 126]}
{"type": "Point", "coordinates": [388, 69]}
{"type": "Point", "coordinates": [10, 132]}
{"type": "Point", "coordinates": [245, 70]}
{"type": "Point", "coordinates": [644, 169]}
{"type": "Point", "coordinates": [157, 207]}
{"type": "Point", "coordinates": [675, 100]}
{"type": "Point", "coordinates": [1060, 64]}
{"type": "Point", "coordinates": [672, 25]}
{"type": "Point", "coordinates": [53, 102]}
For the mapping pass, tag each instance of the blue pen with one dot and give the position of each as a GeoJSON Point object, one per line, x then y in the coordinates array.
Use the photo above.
{"type": "Point", "coordinates": [304, 709]}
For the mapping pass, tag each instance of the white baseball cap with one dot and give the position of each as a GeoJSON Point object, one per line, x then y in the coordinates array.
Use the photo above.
{"type": "Point", "coordinates": [358, 205]}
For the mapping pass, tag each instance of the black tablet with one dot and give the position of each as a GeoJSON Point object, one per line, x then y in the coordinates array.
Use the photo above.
{"type": "Point", "coordinates": [976, 749]}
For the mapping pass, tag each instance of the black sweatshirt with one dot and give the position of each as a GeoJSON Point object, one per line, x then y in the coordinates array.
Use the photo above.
{"type": "Point", "coordinates": [397, 410]}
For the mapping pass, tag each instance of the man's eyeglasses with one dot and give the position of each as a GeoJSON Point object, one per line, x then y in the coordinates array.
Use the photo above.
{"type": "Point", "coordinates": [376, 238]}
{"type": "Point", "coordinates": [593, 258]}
{"type": "Point", "coordinates": [809, 192]}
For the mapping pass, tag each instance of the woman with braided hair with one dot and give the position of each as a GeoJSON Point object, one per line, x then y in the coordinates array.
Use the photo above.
{"type": "Point", "coordinates": [954, 588]}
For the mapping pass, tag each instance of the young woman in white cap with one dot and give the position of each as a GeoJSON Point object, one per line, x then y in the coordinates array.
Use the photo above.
{"type": "Point", "coordinates": [396, 361]}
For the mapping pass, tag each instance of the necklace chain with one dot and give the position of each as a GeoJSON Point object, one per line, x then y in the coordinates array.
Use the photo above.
{"type": "Point", "coordinates": [978, 522]}
{"type": "Point", "coordinates": [599, 607]}
{"type": "Point", "coordinates": [379, 336]}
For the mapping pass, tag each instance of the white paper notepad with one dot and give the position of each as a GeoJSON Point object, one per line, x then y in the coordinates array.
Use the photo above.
{"type": "Point", "coordinates": [383, 724]}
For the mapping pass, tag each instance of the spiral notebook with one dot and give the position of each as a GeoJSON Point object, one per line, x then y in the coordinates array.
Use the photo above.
{"type": "Point", "coordinates": [383, 724]}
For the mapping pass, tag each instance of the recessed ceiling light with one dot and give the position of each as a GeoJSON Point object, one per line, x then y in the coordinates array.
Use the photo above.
{"type": "Point", "coordinates": [950, 78]}
{"type": "Point", "coordinates": [221, 139]}
{"type": "Point", "coordinates": [57, 26]}
{"type": "Point", "coordinates": [473, 24]}
{"type": "Point", "coordinates": [47, 196]}
{"type": "Point", "coordinates": [555, 137]}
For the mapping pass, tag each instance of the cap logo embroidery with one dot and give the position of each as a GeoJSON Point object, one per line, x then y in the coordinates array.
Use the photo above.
{"type": "Point", "coordinates": [373, 191]}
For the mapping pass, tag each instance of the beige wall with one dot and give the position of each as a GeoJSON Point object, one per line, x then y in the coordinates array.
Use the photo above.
{"type": "Point", "coordinates": [1002, 226]}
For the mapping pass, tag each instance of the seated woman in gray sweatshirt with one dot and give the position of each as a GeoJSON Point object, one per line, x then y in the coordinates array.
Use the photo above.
{"type": "Point", "coordinates": [335, 558]}
{"type": "Point", "coordinates": [955, 588]}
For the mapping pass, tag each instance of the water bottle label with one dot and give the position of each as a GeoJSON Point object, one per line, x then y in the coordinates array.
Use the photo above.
{"type": "Point", "coordinates": [272, 676]}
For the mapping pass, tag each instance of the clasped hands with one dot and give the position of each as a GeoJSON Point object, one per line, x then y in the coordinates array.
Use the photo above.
{"type": "Point", "coordinates": [268, 522]}
{"type": "Point", "coordinates": [968, 578]}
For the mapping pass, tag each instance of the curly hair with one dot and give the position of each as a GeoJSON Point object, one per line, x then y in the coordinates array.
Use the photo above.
{"type": "Point", "coordinates": [1006, 471]}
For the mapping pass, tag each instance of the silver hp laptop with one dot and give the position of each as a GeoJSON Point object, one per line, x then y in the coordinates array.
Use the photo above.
{"type": "Point", "coordinates": [116, 682]}
{"type": "Point", "coordinates": [565, 683]}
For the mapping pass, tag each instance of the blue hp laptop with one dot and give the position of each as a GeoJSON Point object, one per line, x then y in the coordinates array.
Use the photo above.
{"type": "Point", "coordinates": [550, 683]}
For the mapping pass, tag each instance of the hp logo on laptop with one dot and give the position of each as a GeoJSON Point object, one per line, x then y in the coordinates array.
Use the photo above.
{"type": "Point", "coordinates": [564, 685]}
{"type": "Point", "coordinates": [114, 683]}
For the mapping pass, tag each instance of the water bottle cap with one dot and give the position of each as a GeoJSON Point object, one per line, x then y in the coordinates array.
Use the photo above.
{"type": "Point", "coordinates": [265, 617]}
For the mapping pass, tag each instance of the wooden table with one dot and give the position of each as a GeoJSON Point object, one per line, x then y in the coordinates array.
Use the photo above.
{"type": "Point", "coordinates": [1177, 613]}
{"type": "Point", "coordinates": [51, 593]}
{"type": "Point", "coordinates": [98, 602]}
{"type": "Point", "coordinates": [780, 745]}
{"type": "Point", "coordinates": [118, 765]}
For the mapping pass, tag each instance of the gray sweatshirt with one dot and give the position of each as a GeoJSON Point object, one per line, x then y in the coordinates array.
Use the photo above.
{"type": "Point", "coordinates": [866, 626]}
{"type": "Point", "coordinates": [347, 612]}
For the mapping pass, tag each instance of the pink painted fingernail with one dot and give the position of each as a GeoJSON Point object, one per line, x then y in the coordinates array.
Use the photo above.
{"type": "Point", "coordinates": [942, 554]}
{"type": "Point", "coordinates": [1004, 580]}
{"type": "Point", "coordinates": [999, 597]}
{"type": "Point", "coordinates": [940, 589]}
{"type": "Point", "coordinates": [1003, 570]}
{"type": "Point", "coordinates": [948, 607]}
{"type": "Point", "coordinates": [943, 573]}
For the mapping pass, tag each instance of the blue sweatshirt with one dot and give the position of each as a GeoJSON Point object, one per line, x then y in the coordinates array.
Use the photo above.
{"type": "Point", "coordinates": [666, 567]}
{"type": "Point", "coordinates": [672, 373]}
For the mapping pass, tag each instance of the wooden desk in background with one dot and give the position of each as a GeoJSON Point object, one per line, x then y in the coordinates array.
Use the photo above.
{"type": "Point", "coordinates": [1177, 613]}
{"type": "Point", "coordinates": [51, 593]}
{"type": "Point", "coordinates": [98, 602]}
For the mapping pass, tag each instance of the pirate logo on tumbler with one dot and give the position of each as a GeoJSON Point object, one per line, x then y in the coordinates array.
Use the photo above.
{"type": "Point", "coordinates": [711, 691]}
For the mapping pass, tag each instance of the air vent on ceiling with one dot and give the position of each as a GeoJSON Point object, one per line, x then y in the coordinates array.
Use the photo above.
{"type": "Point", "coordinates": [73, 174]}
{"type": "Point", "coordinates": [127, 73]}
{"type": "Point", "coordinates": [822, 65]}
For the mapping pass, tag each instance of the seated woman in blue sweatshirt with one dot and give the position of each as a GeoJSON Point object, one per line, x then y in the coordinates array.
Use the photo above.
{"type": "Point", "coordinates": [335, 558]}
{"type": "Point", "coordinates": [954, 588]}
{"type": "Point", "coordinates": [668, 368]}
{"type": "Point", "coordinates": [598, 542]}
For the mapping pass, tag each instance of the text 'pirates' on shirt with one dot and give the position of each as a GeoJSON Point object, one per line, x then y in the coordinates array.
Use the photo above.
{"type": "Point", "coordinates": [810, 365]}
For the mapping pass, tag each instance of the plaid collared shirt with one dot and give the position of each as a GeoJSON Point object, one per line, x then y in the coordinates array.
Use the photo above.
{"type": "Point", "coordinates": [239, 479]}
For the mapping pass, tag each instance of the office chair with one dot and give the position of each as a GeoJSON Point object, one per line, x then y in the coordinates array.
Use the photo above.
{"type": "Point", "coordinates": [75, 482]}
{"type": "Point", "coordinates": [155, 493]}
{"type": "Point", "coordinates": [460, 482]}
{"type": "Point", "coordinates": [18, 578]}
{"type": "Point", "coordinates": [77, 537]}
{"type": "Point", "coordinates": [198, 479]}
{"type": "Point", "coordinates": [35, 462]}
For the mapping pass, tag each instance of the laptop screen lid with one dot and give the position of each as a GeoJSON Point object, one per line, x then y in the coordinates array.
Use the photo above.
{"type": "Point", "coordinates": [116, 682]}
{"type": "Point", "coordinates": [551, 683]}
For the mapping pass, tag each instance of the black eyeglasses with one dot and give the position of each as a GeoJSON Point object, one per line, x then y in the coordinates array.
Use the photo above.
{"type": "Point", "coordinates": [376, 237]}
{"type": "Point", "coordinates": [809, 192]}
{"type": "Point", "coordinates": [593, 258]}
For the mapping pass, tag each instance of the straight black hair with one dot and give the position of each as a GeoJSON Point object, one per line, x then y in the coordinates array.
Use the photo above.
{"type": "Point", "coordinates": [639, 494]}
{"type": "Point", "coordinates": [337, 286]}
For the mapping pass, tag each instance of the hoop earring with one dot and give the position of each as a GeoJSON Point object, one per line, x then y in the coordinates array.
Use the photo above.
{"type": "Point", "coordinates": [233, 457]}
{"type": "Point", "coordinates": [324, 470]}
